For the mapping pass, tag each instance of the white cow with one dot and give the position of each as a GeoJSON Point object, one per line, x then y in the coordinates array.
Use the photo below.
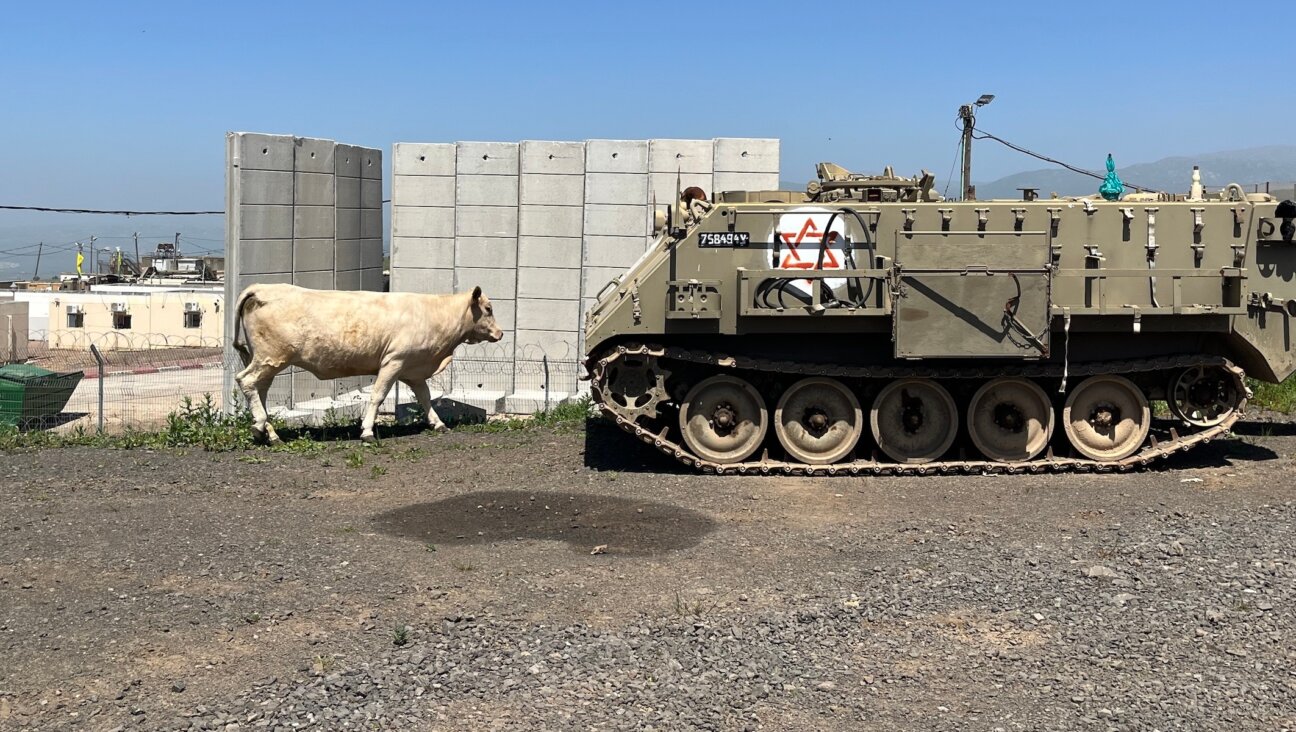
{"type": "Point", "coordinates": [333, 334]}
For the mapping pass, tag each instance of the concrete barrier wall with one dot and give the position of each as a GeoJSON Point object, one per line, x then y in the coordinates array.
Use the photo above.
{"type": "Point", "coordinates": [13, 331]}
{"type": "Point", "coordinates": [302, 211]}
{"type": "Point", "coordinates": [541, 227]}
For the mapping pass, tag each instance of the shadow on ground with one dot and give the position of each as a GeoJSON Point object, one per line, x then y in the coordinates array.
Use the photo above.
{"type": "Point", "coordinates": [607, 447]}
{"type": "Point", "coordinates": [584, 521]}
{"type": "Point", "coordinates": [1265, 429]}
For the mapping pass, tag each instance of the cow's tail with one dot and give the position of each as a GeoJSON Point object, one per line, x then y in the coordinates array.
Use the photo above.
{"type": "Point", "coordinates": [249, 297]}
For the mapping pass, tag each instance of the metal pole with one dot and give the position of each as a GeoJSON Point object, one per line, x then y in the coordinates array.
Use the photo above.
{"type": "Point", "coordinates": [965, 114]}
{"type": "Point", "coordinates": [39, 248]}
{"type": "Point", "coordinates": [544, 359]}
{"type": "Point", "coordinates": [139, 268]}
{"type": "Point", "coordinates": [99, 359]}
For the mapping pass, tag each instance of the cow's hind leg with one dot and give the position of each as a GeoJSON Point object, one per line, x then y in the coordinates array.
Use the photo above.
{"type": "Point", "coordinates": [382, 384]}
{"type": "Point", "coordinates": [254, 381]}
{"type": "Point", "coordinates": [424, 397]}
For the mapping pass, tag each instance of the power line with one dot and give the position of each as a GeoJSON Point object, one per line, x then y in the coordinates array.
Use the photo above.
{"type": "Point", "coordinates": [1045, 158]}
{"type": "Point", "coordinates": [49, 209]}
{"type": "Point", "coordinates": [110, 212]}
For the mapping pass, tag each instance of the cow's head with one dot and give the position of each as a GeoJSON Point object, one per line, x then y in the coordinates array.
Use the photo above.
{"type": "Point", "coordinates": [482, 314]}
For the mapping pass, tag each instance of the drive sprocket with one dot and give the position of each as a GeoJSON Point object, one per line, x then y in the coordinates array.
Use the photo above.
{"type": "Point", "coordinates": [635, 386]}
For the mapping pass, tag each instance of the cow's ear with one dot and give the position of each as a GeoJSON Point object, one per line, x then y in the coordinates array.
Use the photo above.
{"type": "Point", "coordinates": [476, 293]}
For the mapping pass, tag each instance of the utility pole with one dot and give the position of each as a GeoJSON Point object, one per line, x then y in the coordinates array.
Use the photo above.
{"type": "Point", "coordinates": [967, 116]}
{"type": "Point", "coordinates": [139, 268]}
{"type": "Point", "coordinates": [39, 248]}
{"type": "Point", "coordinates": [176, 246]}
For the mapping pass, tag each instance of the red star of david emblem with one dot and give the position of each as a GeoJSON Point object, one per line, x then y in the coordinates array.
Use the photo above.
{"type": "Point", "coordinates": [809, 232]}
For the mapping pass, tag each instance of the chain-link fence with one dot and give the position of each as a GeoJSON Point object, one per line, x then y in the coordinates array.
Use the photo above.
{"type": "Point", "coordinates": [116, 381]}
{"type": "Point", "coordinates": [112, 380]}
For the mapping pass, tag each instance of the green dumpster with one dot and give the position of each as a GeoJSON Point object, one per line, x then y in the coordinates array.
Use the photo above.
{"type": "Point", "coordinates": [28, 393]}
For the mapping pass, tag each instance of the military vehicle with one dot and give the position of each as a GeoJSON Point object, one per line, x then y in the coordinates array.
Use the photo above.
{"type": "Point", "coordinates": [866, 325]}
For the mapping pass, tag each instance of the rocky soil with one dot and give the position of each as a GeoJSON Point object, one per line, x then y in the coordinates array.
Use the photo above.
{"type": "Point", "coordinates": [549, 579]}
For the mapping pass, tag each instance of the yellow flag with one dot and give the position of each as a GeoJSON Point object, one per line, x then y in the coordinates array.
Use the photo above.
{"type": "Point", "coordinates": [80, 259]}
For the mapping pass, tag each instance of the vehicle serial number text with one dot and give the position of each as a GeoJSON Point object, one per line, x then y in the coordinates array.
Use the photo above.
{"type": "Point", "coordinates": [716, 239]}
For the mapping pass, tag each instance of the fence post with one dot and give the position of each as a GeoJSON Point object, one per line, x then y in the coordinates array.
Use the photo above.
{"type": "Point", "coordinates": [99, 359]}
{"type": "Point", "coordinates": [544, 359]}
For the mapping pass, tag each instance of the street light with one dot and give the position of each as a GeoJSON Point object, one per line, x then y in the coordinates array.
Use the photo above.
{"type": "Point", "coordinates": [968, 118]}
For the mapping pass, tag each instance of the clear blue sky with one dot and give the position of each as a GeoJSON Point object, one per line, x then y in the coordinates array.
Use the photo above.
{"type": "Point", "coordinates": [126, 104]}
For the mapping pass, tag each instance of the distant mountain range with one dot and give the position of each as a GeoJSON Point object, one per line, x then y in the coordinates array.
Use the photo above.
{"type": "Point", "coordinates": [1275, 164]}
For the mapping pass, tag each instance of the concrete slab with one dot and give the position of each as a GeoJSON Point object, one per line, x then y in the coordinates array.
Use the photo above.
{"type": "Point", "coordinates": [747, 155]}
{"type": "Point", "coordinates": [346, 255]}
{"type": "Point", "coordinates": [312, 189]}
{"type": "Point", "coordinates": [550, 221]}
{"type": "Point", "coordinates": [548, 283]}
{"type": "Point", "coordinates": [348, 280]}
{"type": "Point", "coordinates": [688, 156]}
{"type": "Point", "coordinates": [312, 255]}
{"type": "Point", "coordinates": [423, 158]}
{"type": "Point", "coordinates": [266, 187]}
{"type": "Point", "coordinates": [265, 256]}
{"type": "Point", "coordinates": [612, 220]}
{"type": "Point", "coordinates": [612, 251]}
{"type": "Point", "coordinates": [486, 190]}
{"type": "Point", "coordinates": [430, 281]}
{"type": "Point", "coordinates": [371, 165]}
{"type": "Point", "coordinates": [371, 223]}
{"type": "Point", "coordinates": [559, 345]}
{"type": "Point", "coordinates": [536, 314]}
{"type": "Point", "coordinates": [491, 252]}
{"type": "Point", "coordinates": [496, 283]}
{"type": "Point", "coordinates": [346, 160]}
{"type": "Point", "coordinates": [371, 253]}
{"type": "Point", "coordinates": [371, 279]}
{"type": "Point", "coordinates": [264, 152]}
{"type": "Point", "coordinates": [551, 190]}
{"type": "Point", "coordinates": [423, 222]}
{"type": "Point", "coordinates": [315, 222]}
{"type": "Point", "coordinates": [422, 252]}
{"type": "Point", "coordinates": [322, 280]}
{"type": "Point", "coordinates": [616, 156]}
{"type": "Point", "coordinates": [314, 155]}
{"type": "Point", "coordinates": [346, 192]}
{"type": "Point", "coordinates": [371, 193]}
{"type": "Point", "coordinates": [543, 156]}
{"type": "Point", "coordinates": [488, 401]}
{"type": "Point", "coordinates": [265, 222]}
{"type": "Point", "coordinates": [486, 221]}
{"type": "Point", "coordinates": [617, 188]}
{"type": "Point", "coordinates": [544, 251]}
{"type": "Point", "coordinates": [532, 401]}
{"type": "Point", "coordinates": [486, 158]}
{"type": "Point", "coordinates": [423, 190]}
{"type": "Point", "coordinates": [348, 223]}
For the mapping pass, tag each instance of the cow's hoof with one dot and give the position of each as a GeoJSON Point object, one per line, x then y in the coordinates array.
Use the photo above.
{"type": "Point", "coordinates": [274, 440]}
{"type": "Point", "coordinates": [439, 427]}
{"type": "Point", "coordinates": [368, 438]}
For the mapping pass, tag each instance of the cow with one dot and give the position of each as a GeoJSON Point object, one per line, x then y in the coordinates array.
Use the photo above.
{"type": "Point", "coordinates": [334, 334]}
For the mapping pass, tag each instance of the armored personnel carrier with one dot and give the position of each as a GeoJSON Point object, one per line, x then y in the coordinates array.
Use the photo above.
{"type": "Point", "coordinates": [866, 325]}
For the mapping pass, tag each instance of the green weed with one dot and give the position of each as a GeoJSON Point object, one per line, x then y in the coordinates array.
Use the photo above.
{"type": "Point", "coordinates": [1274, 397]}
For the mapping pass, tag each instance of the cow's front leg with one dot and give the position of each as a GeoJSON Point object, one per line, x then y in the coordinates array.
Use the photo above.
{"type": "Point", "coordinates": [254, 381]}
{"type": "Point", "coordinates": [382, 384]}
{"type": "Point", "coordinates": [424, 397]}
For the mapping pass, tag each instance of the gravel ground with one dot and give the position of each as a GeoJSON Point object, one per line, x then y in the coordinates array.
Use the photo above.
{"type": "Point", "coordinates": [571, 580]}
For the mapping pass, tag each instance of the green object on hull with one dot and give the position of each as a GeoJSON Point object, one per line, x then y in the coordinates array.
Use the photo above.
{"type": "Point", "coordinates": [1112, 187]}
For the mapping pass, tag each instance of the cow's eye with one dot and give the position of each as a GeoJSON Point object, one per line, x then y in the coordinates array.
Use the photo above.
{"type": "Point", "coordinates": [490, 310]}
